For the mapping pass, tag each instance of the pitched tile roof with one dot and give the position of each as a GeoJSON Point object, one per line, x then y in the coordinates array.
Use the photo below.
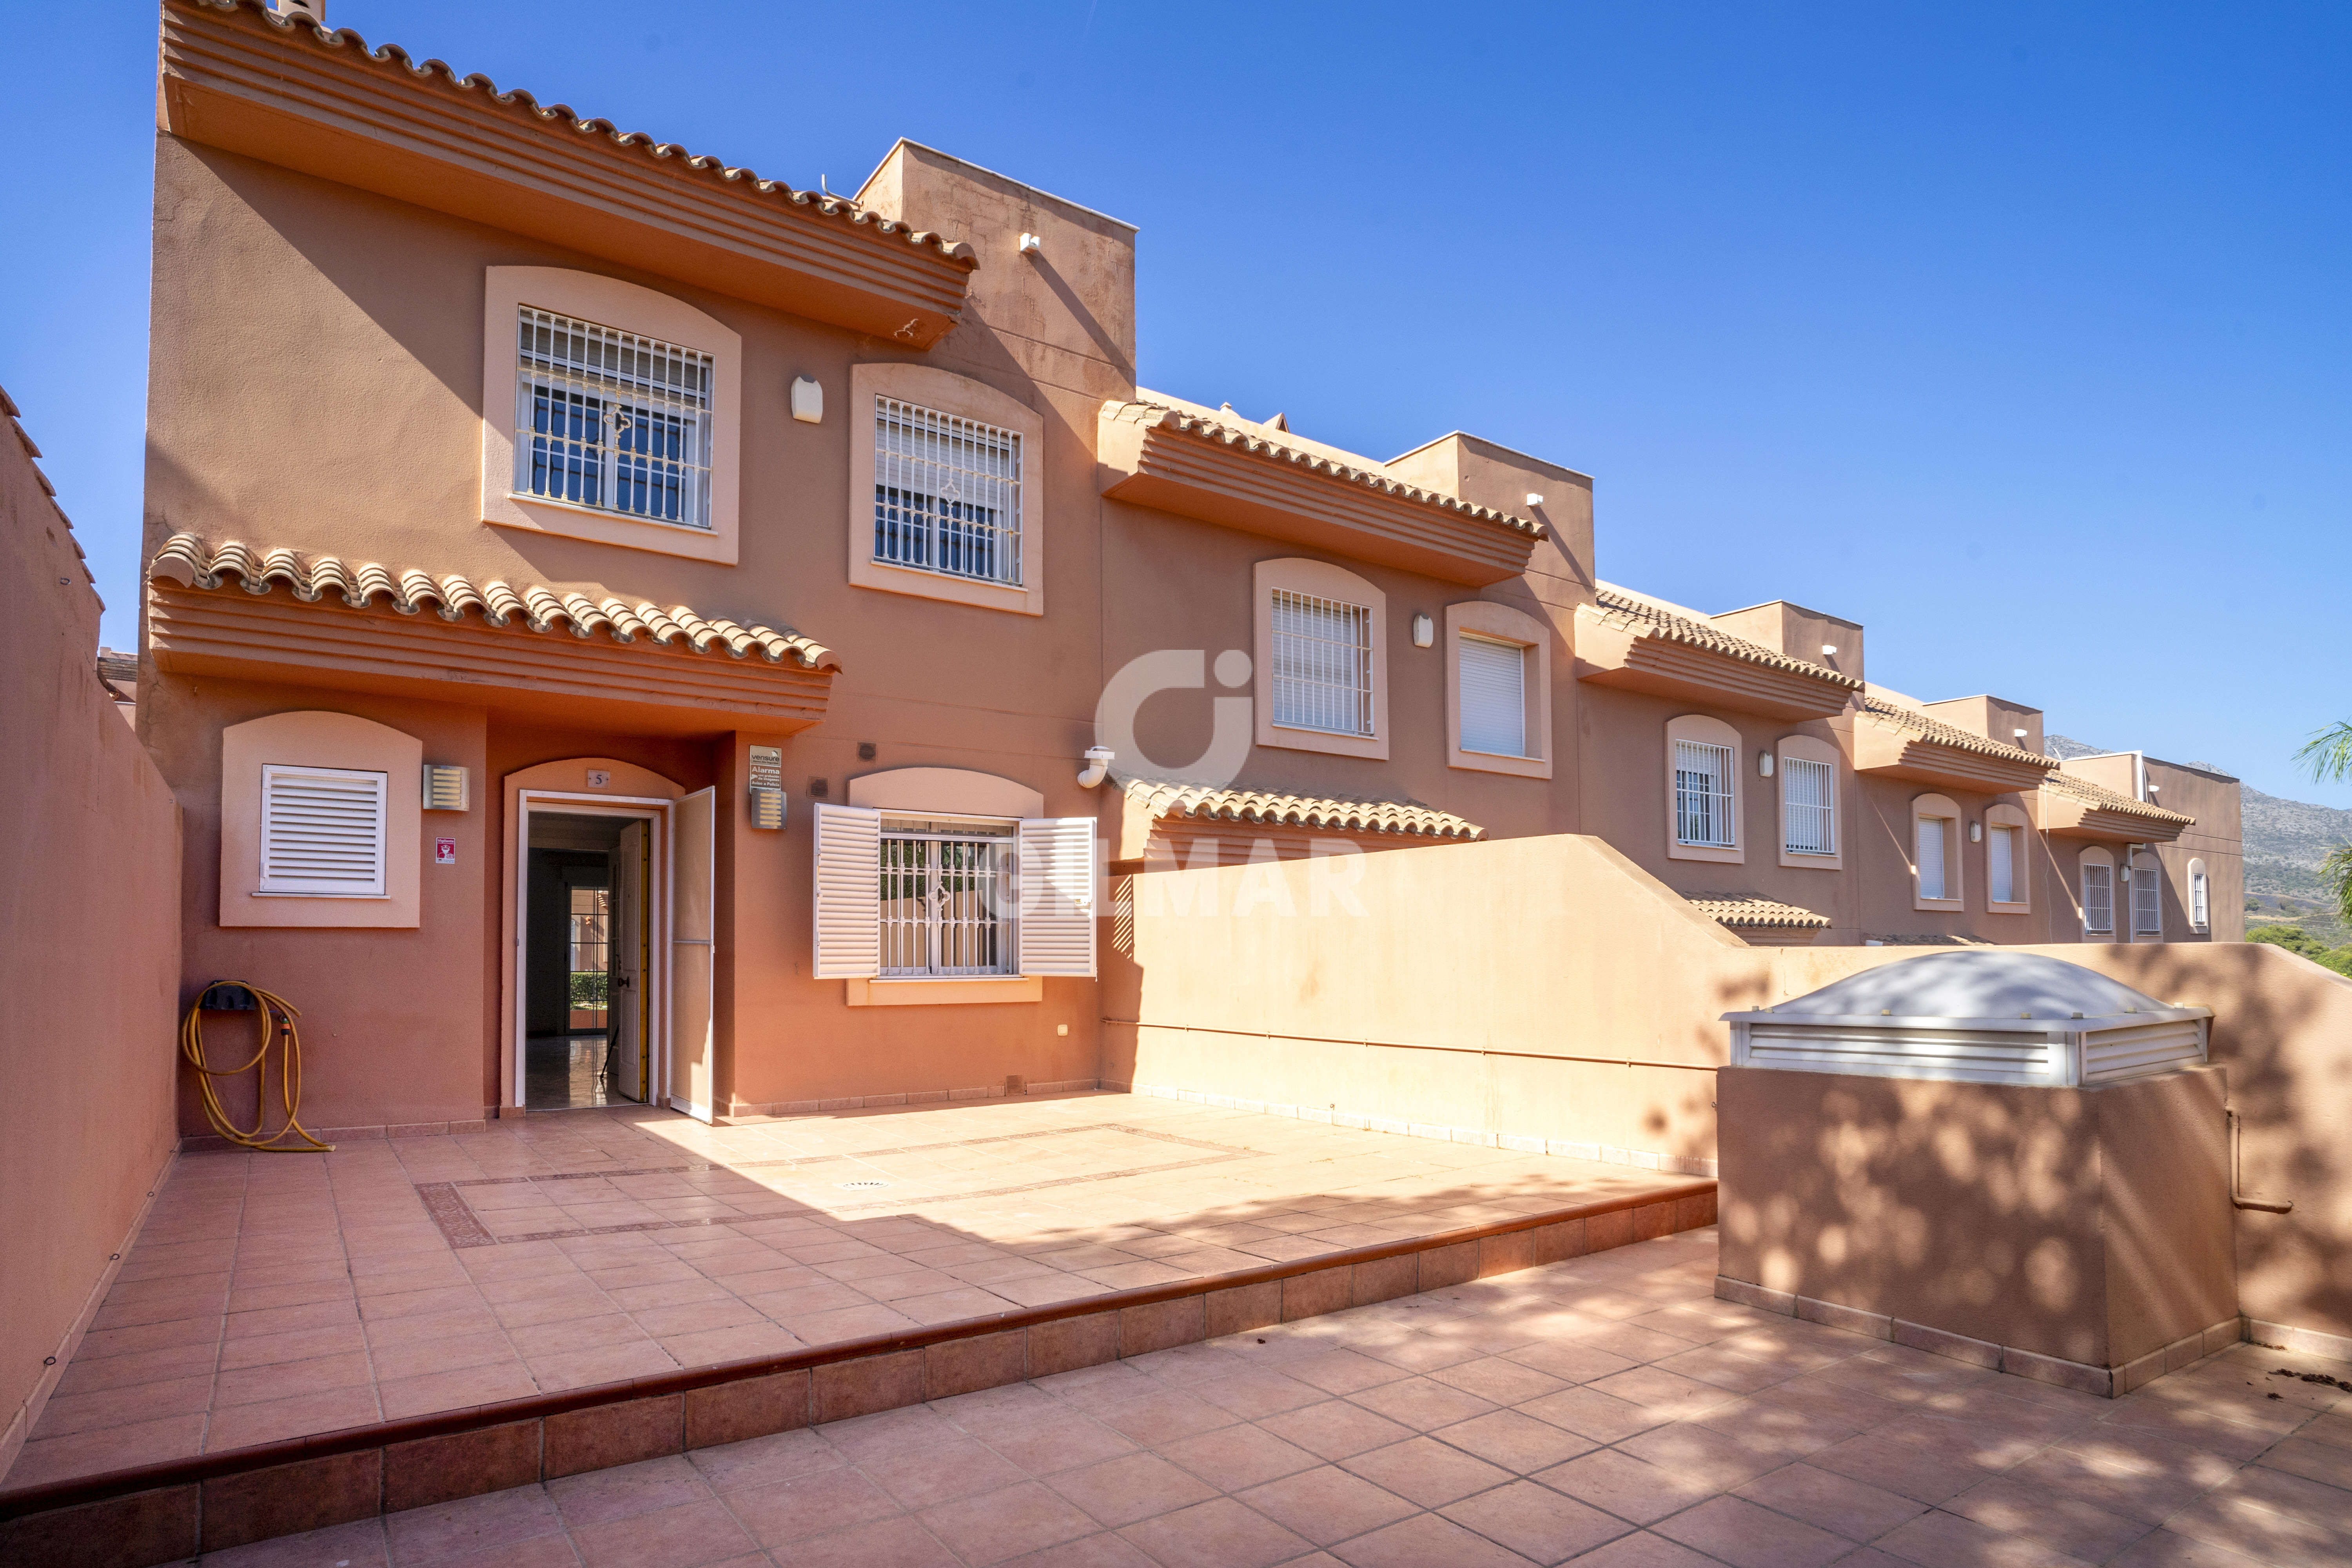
{"type": "Point", "coordinates": [189, 560]}
{"type": "Point", "coordinates": [1753, 914]}
{"type": "Point", "coordinates": [1313, 458]}
{"type": "Point", "coordinates": [9, 411]}
{"type": "Point", "coordinates": [1275, 808]}
{"type": "Point", "coordinates": [2099, 799]}
{"type": "Point", "coordinates": [561, 122]}
{"type": "Point", "coordinates": [1625, 611]}
{"type": "Point", "coordinates": [1944, 734]}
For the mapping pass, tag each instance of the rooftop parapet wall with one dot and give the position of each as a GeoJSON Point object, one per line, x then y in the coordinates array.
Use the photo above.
{"type": "Point", "coordinates": [1547, 989]}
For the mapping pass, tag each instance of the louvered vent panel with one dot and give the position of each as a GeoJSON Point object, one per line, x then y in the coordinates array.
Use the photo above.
{"type": "Point", "coordinates": [322, 832]}
{"type": "Point", "coordinates": [1966, 1055]}
{"type": "Point", "coordinates": [2111, 1055]}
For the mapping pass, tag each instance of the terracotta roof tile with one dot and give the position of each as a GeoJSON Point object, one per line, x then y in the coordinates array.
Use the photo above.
{"type": "Point", "coordinates": [1628, 613]}
{"type": "Point", "coordinates": [1952, 735]}
{"type": "Point", "coordinates": [1275, 808]}
{"type": "Point", "coordinates": [10, 412]}
{"type": "Point", "coordinates": [2102, 799]}
{"type": "Point", "coordinates": [559, 120]}
{"type": "Point", "coordinates": [189, 560]}
{"type": "Point", "coordinates": [1203, 427]}
{"type": "Point", "coordinates": [1751, 914]}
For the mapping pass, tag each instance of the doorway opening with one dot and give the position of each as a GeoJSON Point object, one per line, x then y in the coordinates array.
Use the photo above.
{"type": "Point", "coordinates": [587, 957]}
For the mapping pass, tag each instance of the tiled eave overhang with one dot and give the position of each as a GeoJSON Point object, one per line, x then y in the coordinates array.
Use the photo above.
{"type": "Point", "coordinates": [320, 101]}
{"type": "Point", "coordinates": [1177, 462]}
{"type": "Point", "coordinates": [1170, 801]}
{"type": "Point", "coordinates": [1896, 743]}
{"type": "Point", "coordinates": [1758, 914]}
{"type": "Point", "coordinates": [1623, 645]}
{"type": "Point", "coordinates": [311, 620]}
{"type": "Point", "coordinates": [2072, 808]}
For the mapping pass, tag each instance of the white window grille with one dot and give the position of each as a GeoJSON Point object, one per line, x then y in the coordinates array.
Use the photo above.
{"type": "Point", "coordinates": [2147, 898]}
{"type": "Point", "coordinates": [1494, 695]}
{"type": "Point", "coordinates": [1322, 664]}
{"type": "Point", "coordinates": [944, 904]}
{"type": "Point", "coordinates": [2001, 865]}
{"type": "Point", "coordinates": [947, 493]}
{"type": "Point", "coordinates": [1703, 795]}
{"type": "Point", "coordinates": [610, 420]}
{"type": "Point", "coordinates": [2199, 902]}
{"type": "Point", "coordinates": [322, 832]}
{"type": "Point", "coordinates": [1809, 797]}
{"type": "Point", "coordinates": [2099, 899]}
{"type": "Point", "coordinates": [1933, 881]}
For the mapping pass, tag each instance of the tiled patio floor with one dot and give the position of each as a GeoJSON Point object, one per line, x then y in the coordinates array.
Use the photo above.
{"type": "Point", "coordinates": [274, 1296]}
{"type": "Point", "coordinates": [1605, 1411]}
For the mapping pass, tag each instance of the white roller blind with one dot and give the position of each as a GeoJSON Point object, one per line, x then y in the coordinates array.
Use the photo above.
{"type": "Point", "coordinates": [2098, 898]}
{"type": "Point", "coordinates": [1056, 870]}
{"type": "Point", "coordinates": [322, 832]}
{"type": "Point", "coordinates": [848, 924]}
{"type": "Point", "coordinates": [2000, 855]}
{"type": "Point", "coordinates": [1931, 857]}
{"type": "Point", "coordinates": [1494, 696]}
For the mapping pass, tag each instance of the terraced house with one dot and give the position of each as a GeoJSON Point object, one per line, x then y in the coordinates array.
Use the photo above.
{"type": "Point", "coordinates": [1034, 872]}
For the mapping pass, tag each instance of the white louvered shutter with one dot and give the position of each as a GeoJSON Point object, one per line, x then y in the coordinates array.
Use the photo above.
{"type": "Point", "coordinates": [1931, 857]}
{"type": "Point", "coordinates": [322, 832]}
{"type": "Point", "coordinates": [848, 915]}
{"type": "Point", "coordinates": [2000, 855]}
{"type": "Point", "coordinates": [2099, 899]}
{"type": "Point", "coordinates": [1058, 895]}
{"type": "Point", "coordinates": [1494, 696]}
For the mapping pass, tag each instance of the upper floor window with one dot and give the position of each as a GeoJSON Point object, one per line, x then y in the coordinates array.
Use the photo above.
{"type": "Point", "coordinates": [1322, 664]}
{"type": "Point", "coordinates": [947, 493]}
{"type": "Point", "coordinates": [1319, 674]}
{"type": "Point", "coordinates": [2200, 897]}
{"type": "Point", "coordinates": [2009, 867]}
{"type": "Point", "coordinates": [2147, 896]}
{"type": "Point", "coordinates": [1809, 805]}
{"type": "Point", "coordinates": [1703, 795]}
{"type": "Point", "coordinates": [1494, 696]}
{"type": "Point", "coordinates": [2098, 869]}
{"type": "Point", "coordinates": [612, 420]}
{"type": "Point", "coordinates": [1497, 689]}
{"type": "Point", "coordinates": [610, 412]}
{"type": "Point", "coordinates": [1935, 853]}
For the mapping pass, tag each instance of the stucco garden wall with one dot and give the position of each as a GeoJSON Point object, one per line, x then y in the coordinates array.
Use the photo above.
{"type": "Point", "coordinates": [1548, 992]}
{"type": "Point", "coordinates": [88, 954]}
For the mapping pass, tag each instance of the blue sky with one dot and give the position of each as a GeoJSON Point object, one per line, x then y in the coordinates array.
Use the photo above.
{"type": "Point", "coordinates": [2021, 334]}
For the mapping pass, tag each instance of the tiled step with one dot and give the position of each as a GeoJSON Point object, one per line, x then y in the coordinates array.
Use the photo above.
{"type": "Point", "coordinates": [166, 1512]}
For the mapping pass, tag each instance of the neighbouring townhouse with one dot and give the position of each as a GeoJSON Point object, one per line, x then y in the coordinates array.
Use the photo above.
{"type": "Point", "coordinates": [619, 627]}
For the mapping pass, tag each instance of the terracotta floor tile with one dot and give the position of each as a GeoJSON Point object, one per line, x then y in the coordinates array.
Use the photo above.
{"type": "Point", "coordinates": [1701, 1453]}
{"type": "Point", "coordinates": [848, 1323]}
{"type": "Point", "coordinates": [359, 1544]}
{"type": "Point", "coordinates": [100, 1344]}
{"type": "Point", "coordinates": [1343, 1371]}
{"type": "Point", "coordinates": [2057, 1520]}
{"type": "Point", "coordinates": [1514, 1441]}
{"type": "Point", "coordinates": [888, 1432]}
{"type": "Point", "coordinates": [900, 1543]}
{"type": "Point", "coordinates": [282, 1320]}
{"type": "Point", "coordinates": [1328, 1504]}
{"type": "Point", "coordinates": [428, 1392]}
{"type": "Point", "coordinates": [1633, 1490]}
{"type": "Point", "coordinates": [266, 1421]}
{"type": "Point", "coordinates": [599, 1495]}
{"type": "Point", "coordinates": [291, 1379]}
{"type": "Point", "coordinates": [1422, 1402]}
{"type": "Point", "coordinates": [1940, 1539]}
{"type": "Point", "coordinates": [1771, 1428]}
{"type": "Point", "coordinates": [1644, 1550]}
{"type": "Point", "coordinates": [923, 1477]}
{"type": "Point", "coordinates": [1536, 1522]}
{"type": "Point", "coordinates": [611, 1363]}
{"type": "Point", "coordinates": [1590, 1413]}
{"type": "Point", "coordinates": [1499, 1379]}
{"type": "Point", "coordinates": [1336, 1429]}
{"type": "Point", "coordinates": [1219, 1534]}
{"type": "Point", "coordinates": [1426, 1540]}
{"type": "Point", "coordinates": [687, 1536]}
{"type": "Point", "coordinates": [571, 1334]}
{"type": "Point", "coordinates": [65, 1416]}
{"type": "Point", "coordinates": [1746, 1536]}
{"type": "Point", "coordinates": [1131, 1489]}
{"type": "Point", "coordinates": [1426, 1471]}
{"type": "Point", "coordinates": [1046, 1444]}
{"type": "Point", "coordinates": [1006, 1522]}
{"type": "Point", "coordinates": [107, 1449]}
{"type": "Point", "coordinates": [1850, 1508]}
{"type": "Point", "coordinates": [1162, 1417]}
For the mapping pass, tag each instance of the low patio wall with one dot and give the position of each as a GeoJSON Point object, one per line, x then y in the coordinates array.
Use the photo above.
{"type": "Point", "coordinates": [89, 952]}
{"type": "Point", "coordinates": [1549, 994]}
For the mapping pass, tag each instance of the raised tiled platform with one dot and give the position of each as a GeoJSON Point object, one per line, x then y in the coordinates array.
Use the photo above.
{"type": "Point", "coordinates": [464, 1272]}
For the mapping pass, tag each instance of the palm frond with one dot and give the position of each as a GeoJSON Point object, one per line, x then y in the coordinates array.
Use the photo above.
{"type": "Point", "coordinates": [2335, 876]}
{"type": "Point", "coordinates": [2328, 753]}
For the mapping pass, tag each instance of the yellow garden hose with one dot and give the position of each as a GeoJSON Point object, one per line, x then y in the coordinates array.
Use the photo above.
{"type": "Point", "coordinates": [276, 1017]}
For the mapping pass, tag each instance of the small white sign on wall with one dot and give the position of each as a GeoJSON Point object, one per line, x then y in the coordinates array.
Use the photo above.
{"type": "Point", "coordinates": [598, 778]}
{"type": "Point", "coordinates": [444, 852]}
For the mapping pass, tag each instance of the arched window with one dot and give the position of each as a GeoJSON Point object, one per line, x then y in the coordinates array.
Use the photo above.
{"type": "Point", "coordinates": [1702, 790]}
{"type": "Point", "coordinates": [1808, 803]}
{"type": "Point", "coordinates": [2008, 863]}
{"type": "Point", "coordinates": [2097, 871]}
{"type": "Point", "coordinates": [2147, 897]}
{"type": "Point", "coordinates": [2200, 897]}
{"type": "Point", "coordinates": [1936, 878]}
{"type": "Point", "coordinates": [1322, 669]}
{"type": "Point", "coordinates": [1497, 689]}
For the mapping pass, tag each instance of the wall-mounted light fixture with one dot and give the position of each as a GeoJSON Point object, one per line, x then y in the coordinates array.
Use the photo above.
{"type": "Point", "coordinates": [808, 401]}
{"type": "Point", "coordinates": [1534, 499]}
{"type": "Point", "coordinates": [1098, 762]}
{"type": "Point", "coordinates": [1976, 832]}
{"type": "Point", "coordinates": [1424, 631]}
{"type": "Point", "coordinates": [1763, 764]}
{"type": "Point", "coordinates": [1031, 244]}
{"type": "Point", "coordinates": [1829, 650]}
{"type": "Point", "coordinates": [2020, 734]}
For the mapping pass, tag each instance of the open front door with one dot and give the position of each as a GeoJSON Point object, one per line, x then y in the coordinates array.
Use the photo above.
{"type": "Point", "coordinates": [628, 1007]}
{"type": "Point", "coordinates": [693, 950]}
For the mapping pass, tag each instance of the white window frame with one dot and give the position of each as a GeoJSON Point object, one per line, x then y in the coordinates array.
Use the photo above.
{"type": "Point", "coordinates": [2004, 816]}
{"type": "Point", "coordinates": [1322, 664]}
{"type": "Point", "coordinates": [1487, 621]}
{"type": "Point", "coordinates": [983, 850]}
{"type": "Point", "coordinates": [2090, 861]}
{"type": "Point", "coordinates": [631, 309]}
{"type": "Point", "coordinates": [378, 786]}
{"type": "Point", "coordinates": [1321, 580]}
{"type": "Point", "coordinates": [965, 405]}
{"type": "Point", "coordinates": [2200, 897]}
{"type": "Point", "coordinates": [1818, 838]}
{"type": "Point", "coordinates": [1725, 746]}
{"type": "Point", "coordinates": [929, 464]}
{"type": "Point", "coordinates": [1698, 764]}
{"type": "Point", "coordinates": [1952, 895]}
{"type": "Point", "coordinates": [585, 393]}
{"type": "Point", "coordinates": [2147, 897]}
